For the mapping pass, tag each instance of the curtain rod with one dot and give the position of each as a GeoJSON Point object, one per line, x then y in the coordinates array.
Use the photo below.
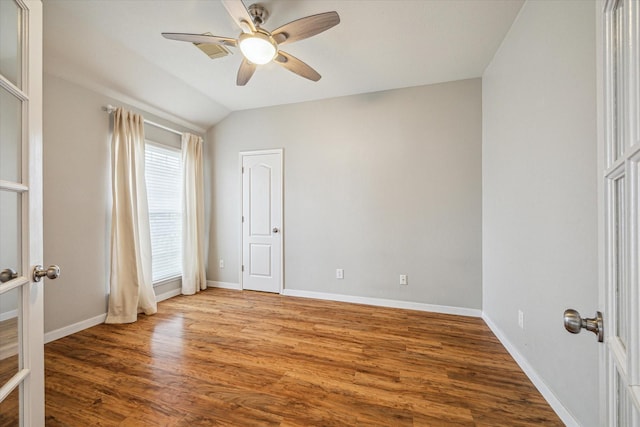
{"type": "Point", "coordinates": [110, 109]}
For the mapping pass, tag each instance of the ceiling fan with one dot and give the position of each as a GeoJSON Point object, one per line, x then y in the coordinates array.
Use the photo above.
{"type": "Point", "coordinates": [259, 46]}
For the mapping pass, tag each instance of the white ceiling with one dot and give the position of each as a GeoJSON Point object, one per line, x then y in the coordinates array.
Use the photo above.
{"type": "Point", "coordinates": [116, 47]}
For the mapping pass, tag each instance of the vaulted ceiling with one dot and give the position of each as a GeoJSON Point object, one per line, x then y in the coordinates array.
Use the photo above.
{"type": "Point", "coordinates": [116, 47]}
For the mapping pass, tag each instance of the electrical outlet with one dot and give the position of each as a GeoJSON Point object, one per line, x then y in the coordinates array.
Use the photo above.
{"type": "Point", "coordinates": [221, 263]}
{"type": "Point", "coordinates": [521, 319]}
{"type": "Point", "coordinates": [403, 279]}
{"type": "Point", "coordinates": [339, 273]}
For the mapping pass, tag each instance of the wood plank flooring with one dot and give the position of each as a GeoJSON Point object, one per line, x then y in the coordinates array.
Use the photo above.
{"type": "Point", "coordinates": [235, 358]}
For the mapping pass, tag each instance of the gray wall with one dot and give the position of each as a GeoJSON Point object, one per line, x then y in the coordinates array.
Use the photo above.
{"type": "Point", "coordinates": [392, 183]}
{"type": "Point", "coordinates": [539, 194]}
{"type": "Point", "coordinates": [380, 184]}
{"type": "Point", "coordinates": [77, 200]}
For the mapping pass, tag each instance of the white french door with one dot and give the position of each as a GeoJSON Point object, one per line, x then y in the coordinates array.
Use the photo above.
{"type": "Point", "coordinates": [21, 298]}
{"type": "Point", "coordinates": [621, 174]}
{"type": "Point", "coordinates": [261, 268]}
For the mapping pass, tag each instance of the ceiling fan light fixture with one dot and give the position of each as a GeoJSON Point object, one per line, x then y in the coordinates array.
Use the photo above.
{"type": "Point", "coordinates": [258, 48]}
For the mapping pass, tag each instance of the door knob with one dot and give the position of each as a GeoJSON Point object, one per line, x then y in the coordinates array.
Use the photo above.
{"type": "Point", "coordinates": [53, 272]}
{"type": "Point", "coordinates": [574, 323]}
{"type": "Point", "coordinates": [276, 230]}
{"type": "Point", "coordinates": [7, 274]}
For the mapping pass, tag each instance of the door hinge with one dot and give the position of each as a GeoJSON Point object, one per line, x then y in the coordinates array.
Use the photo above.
{"type": "Point", "coordinates": [243, 268]}
{"type": "Point", "coordinates": [242, 218]}
{"type": "Point", "coordinates": [242, 169]}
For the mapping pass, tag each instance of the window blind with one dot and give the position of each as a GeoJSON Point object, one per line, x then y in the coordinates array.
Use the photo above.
{"type": "Point", "coordinates": [163, 174]}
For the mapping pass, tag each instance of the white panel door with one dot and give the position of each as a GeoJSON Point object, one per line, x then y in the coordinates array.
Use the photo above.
{"type": "Point", "coordinates": [21, 298]}
{"type": "Point", "coordinates": [621, 178]}
{"type": "Point", "coordinates": [262, 221]}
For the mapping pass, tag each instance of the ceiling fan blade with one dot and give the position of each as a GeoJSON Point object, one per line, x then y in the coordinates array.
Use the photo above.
{"type": "Point", "coordinates": [294, 65]}
{"type": "Point", "coordinates": [305, 27]}
{"type": "Point", "coordinates": [240, 14]}
{"type": "Point", "coordinates": [201, 38]}
{"type": "Point", "coordinates": [245, 72]}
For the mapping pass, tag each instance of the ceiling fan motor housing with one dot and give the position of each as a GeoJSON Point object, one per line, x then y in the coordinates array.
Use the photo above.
{"type": "Point", "coordinates": [258, 13]}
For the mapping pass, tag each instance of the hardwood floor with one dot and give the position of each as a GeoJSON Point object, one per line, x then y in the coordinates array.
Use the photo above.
{"type": "Point", "coordinates": [253, 359]}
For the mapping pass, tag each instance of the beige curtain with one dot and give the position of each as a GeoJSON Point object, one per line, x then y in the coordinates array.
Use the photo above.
{"type": "Point", "coordinates": [131, 285]}
{"type": "Point", "coordinates": [193, 274]}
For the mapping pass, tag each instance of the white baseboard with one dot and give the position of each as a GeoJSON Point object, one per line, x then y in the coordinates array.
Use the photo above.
{"type": "Point", "coordinates": [548, 395]}
{"type": "Point", "coordinates": [167, 295]}
{"type": "Point", "coordinates": [8, 350]}
{"type": "Point", "coordinates": [381, 302]}
{"type": "Point", "coordinates": [97, 320]}
{"type": "Point", "coordinates": [223, 285]}
{"type": "Point", "coordinates": [72, 329]}
{"type": "Point", "coordinates": [8, 315]}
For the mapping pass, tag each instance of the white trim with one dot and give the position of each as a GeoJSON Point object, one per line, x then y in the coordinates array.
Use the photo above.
{"type": "Point", "coordinates": [617, 103]}
{"type": "Point", "coordinates": [32, 314]}
{"type": "Point", "coordinates": [240, 227]}
{"type": "Point", "coordinates": [260, 152]}
{"type": "Point", "coordinates": [537, 381]}
{"type": "Point", "coordinates": [13, 89]}
{"type": "Point", "coordinates": [72, 329]}
{"type": "Point", "coordinates": [381, 302]}
{"type": "Point", "coordinates": [12, 314]}
{"type": "Point", "coordinates": [13, 186]}
{"type": "Point", "coordinates": [224, 285]}
{"type": "Point", "coordinates": [602, 154]}
{"type": "Point", "coordinates": [14, 382]}
{"type": "Point", "coordinates": [13, 284]}
{"type": "Point", "coordinates": [165, 296]}
{"type": "Point", "coordinates": [634, 393]}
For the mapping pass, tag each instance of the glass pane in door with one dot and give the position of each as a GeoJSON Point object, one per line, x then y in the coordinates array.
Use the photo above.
{"type": "Point", "coordinates": [10, 261]}
{"type": "Point", "coordinates": [618, 80]}
{"type": "Point", "coordinates": [10, 48]}
{"type": "Point", "coordinates": [10, 135]}
{"type": "Point", "coordinates": [10, 235]}
{"type": "Point", "coordinates": [10, 407]}
{"type": "Point", "coordinates": [9, 335]}
{"type": "Point", "coordinates": [620, 279]}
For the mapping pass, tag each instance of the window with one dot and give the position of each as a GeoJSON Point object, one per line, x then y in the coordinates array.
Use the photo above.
{"type": "Point", "coordinates": [163, 174]}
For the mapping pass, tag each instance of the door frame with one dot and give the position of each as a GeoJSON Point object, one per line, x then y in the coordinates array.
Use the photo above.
{"type": "Point", "coordinates": [30, 376]}
{"type": "Point", "coordinates": [34, 390]}
{"type": "Point", "coordinates": [609, 167]}
{"type": "Point", "coordinates": [241, 155]}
